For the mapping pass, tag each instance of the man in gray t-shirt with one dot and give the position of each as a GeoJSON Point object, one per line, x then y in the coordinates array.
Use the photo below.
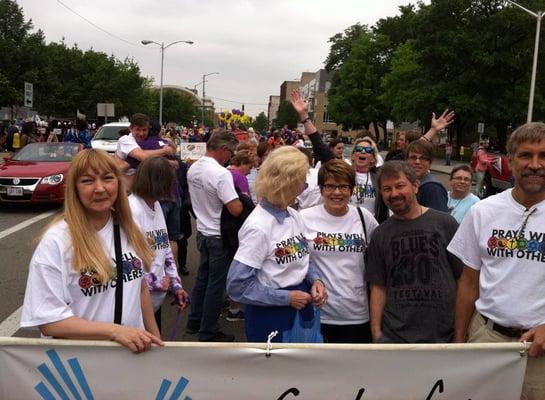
{"type": "Point", "coordinates": [412, 276]}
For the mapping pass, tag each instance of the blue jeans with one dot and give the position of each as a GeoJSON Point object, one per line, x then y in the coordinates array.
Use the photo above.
{"type": "Point", "coordinates": [209, 290]}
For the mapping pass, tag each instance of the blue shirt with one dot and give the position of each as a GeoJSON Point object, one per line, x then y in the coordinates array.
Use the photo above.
{"type": "Point", "coordinates": [243, 285]}
{"type": "Point", "coordinates": [459, 207]}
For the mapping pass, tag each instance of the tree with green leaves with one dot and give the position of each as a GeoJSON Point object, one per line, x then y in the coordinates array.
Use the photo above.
{"type": "Point", "coordinates": [177, 107]}
{"type": "Point", "coordinates": [341, 46]}
{"type": "Point", "coordinates": [261, 122]}
{"type": "Point", "coordinates": [20, 52]}
{"type": "Point", "coordinates": [286, 115]}
{"type": "Point", "coordinates": [354, 97]}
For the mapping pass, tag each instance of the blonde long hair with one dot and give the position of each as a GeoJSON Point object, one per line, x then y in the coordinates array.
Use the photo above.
{"type": "Point", "coordinates": [88, 249]}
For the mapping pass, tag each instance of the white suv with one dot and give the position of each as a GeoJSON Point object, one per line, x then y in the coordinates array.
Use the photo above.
{"type": "Point", "coordinates": [107, 136]}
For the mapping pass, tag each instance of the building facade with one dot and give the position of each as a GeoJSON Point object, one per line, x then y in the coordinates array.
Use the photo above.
{"type": "Point", "coordinates": [272, 110]}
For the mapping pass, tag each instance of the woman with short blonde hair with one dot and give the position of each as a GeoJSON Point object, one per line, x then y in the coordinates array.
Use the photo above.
{"type": "Point", "coordinates": [282, 176]}
{"type": "Point", "coordinates": [271, 272]}
{"type": "Point", "coordinates": [71, 287]}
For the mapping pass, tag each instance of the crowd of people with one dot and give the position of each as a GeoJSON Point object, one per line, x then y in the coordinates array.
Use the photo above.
{"type": "Point", "coordinates": [359, 250]}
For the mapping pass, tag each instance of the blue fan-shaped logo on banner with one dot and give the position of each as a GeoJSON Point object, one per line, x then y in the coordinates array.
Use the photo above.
{"type": "Point", "coordinates": [51, 389]}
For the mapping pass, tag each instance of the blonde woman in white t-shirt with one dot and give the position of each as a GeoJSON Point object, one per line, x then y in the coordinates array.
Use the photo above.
{"type": "Point", "coordinates": [72, 277]}
{"type": "Point", "coordinates": [337, 235]}
{"type": "Point", "coordinates": [271, 272]}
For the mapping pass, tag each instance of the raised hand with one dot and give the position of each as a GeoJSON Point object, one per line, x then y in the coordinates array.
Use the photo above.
{"type": "Point", "coordinates": [299, 103]}
{"type": "Point", "coordinates": [443, 121]}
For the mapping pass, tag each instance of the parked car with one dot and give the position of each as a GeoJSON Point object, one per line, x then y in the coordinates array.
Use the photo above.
{"type": "Point", "coordinates": [107, 136]}
{"type": "Point", "coordinates": [498, 176]}
{"type": "Point", "coordinates": [36, 174]}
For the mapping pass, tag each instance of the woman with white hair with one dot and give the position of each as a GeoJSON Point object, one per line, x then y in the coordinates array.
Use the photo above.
{"type": "Point", "coordinates": [271, 272]}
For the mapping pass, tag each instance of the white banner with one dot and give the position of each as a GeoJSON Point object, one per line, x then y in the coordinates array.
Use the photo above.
{"type": "Point", "coordinates": [55, 369]}
{"type": "Point", "coordinates": [191, 151]}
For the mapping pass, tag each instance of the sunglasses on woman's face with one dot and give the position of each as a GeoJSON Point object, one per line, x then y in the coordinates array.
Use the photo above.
{"type": "Point", "coordinates": [363, 149]}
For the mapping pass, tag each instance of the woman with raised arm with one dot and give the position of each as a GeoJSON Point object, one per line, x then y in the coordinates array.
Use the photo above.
{"type": "Point", "coordinates": [71, 287]}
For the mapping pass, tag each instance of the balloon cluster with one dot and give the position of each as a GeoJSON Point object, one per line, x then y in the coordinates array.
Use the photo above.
{"type": "Point", "coordinates": [233, 119]}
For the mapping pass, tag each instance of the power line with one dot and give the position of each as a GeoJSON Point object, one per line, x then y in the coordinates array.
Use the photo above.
{"type": "Point", "coordinates": [96, 26]}
{"type": "Point", "coordinates": [238, 101]}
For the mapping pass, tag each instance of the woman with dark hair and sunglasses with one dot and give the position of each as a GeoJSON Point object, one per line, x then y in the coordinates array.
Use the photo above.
{"type": "Point", "coordinates": [337, 236]}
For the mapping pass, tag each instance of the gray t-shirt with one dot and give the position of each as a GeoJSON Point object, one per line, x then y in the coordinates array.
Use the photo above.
{"type": "Point", "coordinates": [410, 259]}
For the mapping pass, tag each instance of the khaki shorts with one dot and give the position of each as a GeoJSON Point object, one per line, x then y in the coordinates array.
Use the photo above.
{"type": "Point", "coordinates": [534, 379]}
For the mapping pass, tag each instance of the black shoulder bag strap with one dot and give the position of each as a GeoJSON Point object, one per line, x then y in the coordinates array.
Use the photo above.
{"type": "Point", "coordinates": [363, 223]}
{"type": "Point", "coordinates": [119, 282]}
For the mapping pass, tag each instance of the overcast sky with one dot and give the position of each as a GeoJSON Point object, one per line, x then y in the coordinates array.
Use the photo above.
{"type": "Point", "coordinates": [255, 45]}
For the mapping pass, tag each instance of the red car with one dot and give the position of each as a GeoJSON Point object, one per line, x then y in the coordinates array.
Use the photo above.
{"type": "Point", "coordinates": [36, 174]}
{"type": "Point", "coordinates": [498, 175]}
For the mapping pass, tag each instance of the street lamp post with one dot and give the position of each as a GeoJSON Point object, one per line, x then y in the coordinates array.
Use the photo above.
{"type": "Point", "coordinates": [538, 16]}
{"type": "Point", "coordinates": [163, 48]}
{"type": "Point", "coordinates": [203, 93]}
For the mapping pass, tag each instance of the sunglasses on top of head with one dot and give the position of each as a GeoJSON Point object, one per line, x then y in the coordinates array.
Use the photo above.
{"type": "Point", "coordinates": [363, 149]}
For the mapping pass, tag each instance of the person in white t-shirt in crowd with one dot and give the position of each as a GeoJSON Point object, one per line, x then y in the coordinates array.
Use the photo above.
{"type": "Point", "coordinates": [127, 146]}
{"type": "Point", "coordinates": [153, 182]}
{"type": "Point", "coordinates": [337, 235]}
{"type": "Point", "coordinates": [460, 198]}
{"type": "Point", "coordinates": [501, 242]}
{"type": "Point", "coordinates": [271, 272]}
{"type": "Point", "coordinates": [72, 275]}
{"type": "Point", "coordinates": [211, 187]}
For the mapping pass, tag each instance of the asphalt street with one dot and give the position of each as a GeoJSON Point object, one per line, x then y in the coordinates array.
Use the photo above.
{"type": "Point", "coordinates": [20, 230]}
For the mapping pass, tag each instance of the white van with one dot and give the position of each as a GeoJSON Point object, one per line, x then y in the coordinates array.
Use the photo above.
{"type": "Point", "coordinates": [107, 136]}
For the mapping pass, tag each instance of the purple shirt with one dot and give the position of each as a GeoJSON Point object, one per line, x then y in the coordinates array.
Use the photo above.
{"type": "Point", "coordinates": [240, 181]}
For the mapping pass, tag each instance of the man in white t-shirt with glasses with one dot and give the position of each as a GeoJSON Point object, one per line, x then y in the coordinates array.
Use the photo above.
{"type": "Point", "coordinates": [211, 187]}
{"type": "Point", "coordinates": [501, 241]}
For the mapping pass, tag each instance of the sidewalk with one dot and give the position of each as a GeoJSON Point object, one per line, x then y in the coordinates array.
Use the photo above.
{"type": "Point", "coordinates": [438, 165]}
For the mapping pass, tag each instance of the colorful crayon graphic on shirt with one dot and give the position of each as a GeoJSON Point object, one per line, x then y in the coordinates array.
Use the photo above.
{"type": "Point", "coordinates": [90, 285]}
{"type": "Point", "coordinates": [341, 242]}
{"type": "Point", "coordinates": [509, 243]}
{"type": "Point", "coordinates": [362, 192]}
{"type": "Point", "coordinates": [291, 249]}
{"type": "Point", "coordinates": [158, 239]}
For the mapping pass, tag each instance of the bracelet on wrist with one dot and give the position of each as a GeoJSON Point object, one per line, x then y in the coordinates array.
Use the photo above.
{"type": "Point", "coordinates": [305, 120]}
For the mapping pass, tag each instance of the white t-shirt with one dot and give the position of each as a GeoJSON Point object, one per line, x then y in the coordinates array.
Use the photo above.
{"type": "Point", "coordinates": [365, 193]}
{"type": "Point", "coordinates": [153, 225]}
{"type": "Point", "coordinates": [512, 269]}
{"type": "Point", "coordinates": [210, 187]}
{"type": "Point", "coordinates": [337, 245]}
{"type": "Point", "coordinates": [319, 163]}
{"type": "Point", "coordinates": [125, 145]}
{"type": "Point", "coordinates": [278, 251]}
{"type": "Point", "coordinates": [55, 291]}
{"type": "Point", "coordinates": [311, 196]}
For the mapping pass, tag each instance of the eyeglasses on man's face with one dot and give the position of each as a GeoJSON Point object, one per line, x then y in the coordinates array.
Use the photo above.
{"type": "Point", "coordinates": [461, 179]}
{"type": "Point", "coordinates": [414, 157]}
{"type": "Point", "coordinates": [331, 188]}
